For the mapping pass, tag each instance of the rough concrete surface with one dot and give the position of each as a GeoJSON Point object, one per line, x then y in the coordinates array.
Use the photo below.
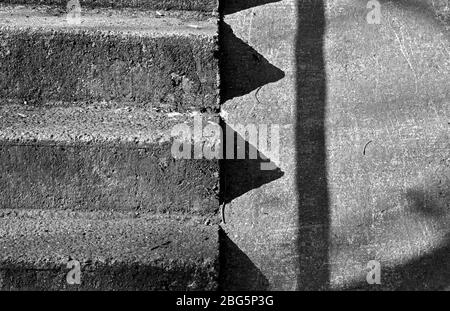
{"type": "Point", "coordinates": [99, 157]}
{"type": "Point", "coordinates": [116, 251]}
{"type": "Point", "coordinates": [207, 6]}
{"type": "Point", "coordinates": [364, 112]}
{"type": "Point", "coordinates": [114, 56]}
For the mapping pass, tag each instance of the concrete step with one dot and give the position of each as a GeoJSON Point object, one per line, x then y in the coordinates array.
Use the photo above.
{"type": "Point", "coordinates": [207, 6]}
{"type": "Point", "coordinates": [112, 55]}
{"type": "Point", "coordinates": [103, 157]}
{"type": "Point", "coordinates": [115, 251]}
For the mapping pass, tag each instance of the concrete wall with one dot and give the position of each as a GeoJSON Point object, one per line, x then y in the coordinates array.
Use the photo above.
{"type": "Point", "coordinates": [363, 111]}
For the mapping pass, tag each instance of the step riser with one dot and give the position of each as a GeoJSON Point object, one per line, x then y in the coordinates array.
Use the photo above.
{"type": "Point", "coordinates": [47, 250]}
{"type": "Point", "coordinates": [206, 6]}
{"type": "Point", "coordinates": [169, 72]}
{"type": "Point", "coordinates": [115, 277]}
{"type": "Point", "coordinates": [85, 177]}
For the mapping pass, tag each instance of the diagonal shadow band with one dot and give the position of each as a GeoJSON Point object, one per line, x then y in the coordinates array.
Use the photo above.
{"type": "Point", "coordinates": [239, 176]}
{"type": "Point", "coordinates": [242, 68]}
{"type": "Point", "coordinates": [233, 6]}
{"type": "Point", "coordinates": [429, 9]}
{"type": "Point", "coordinates": [428, 272]}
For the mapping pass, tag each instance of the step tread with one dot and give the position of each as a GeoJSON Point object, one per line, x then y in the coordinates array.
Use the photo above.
{"type": "Point", "coordinates": [100, 122]}
{"type": "Point", "coordinates": [100, 157]}
{"type": "Point", "coordinates": [160, 62]}
{"type": "Point", "coordinates": [206, 6]}
{"type": "Point", "coordinates": [37, 236]}
{"type": "Point", "coordinates": [46, 240]}
{"type": "Point", "coordinates": [106, 20]}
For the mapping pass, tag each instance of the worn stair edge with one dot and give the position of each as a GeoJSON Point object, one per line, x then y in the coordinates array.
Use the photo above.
{"type": "Point", "coordinates": [116, 251]}
{"type": "Point", "coordinates": [104, 157]}
{"type": "Point", "coordinates": [205, 6]}
{"type": "Point", "coordinates": [158, 62]}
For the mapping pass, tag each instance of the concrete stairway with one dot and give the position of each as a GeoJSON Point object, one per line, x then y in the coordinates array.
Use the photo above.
{"type": "Point", "coordinates": [86, 169]}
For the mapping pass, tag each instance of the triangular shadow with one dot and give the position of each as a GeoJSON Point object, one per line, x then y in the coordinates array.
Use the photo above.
{"type": "Point", "coordinates": [242, 68]}
{"type": "Point", "coordinates": [233, 6]}
{"type": "Point", "coordinates": [237, 271]}
{"type": "Point", "coordinates": [239, 176]}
